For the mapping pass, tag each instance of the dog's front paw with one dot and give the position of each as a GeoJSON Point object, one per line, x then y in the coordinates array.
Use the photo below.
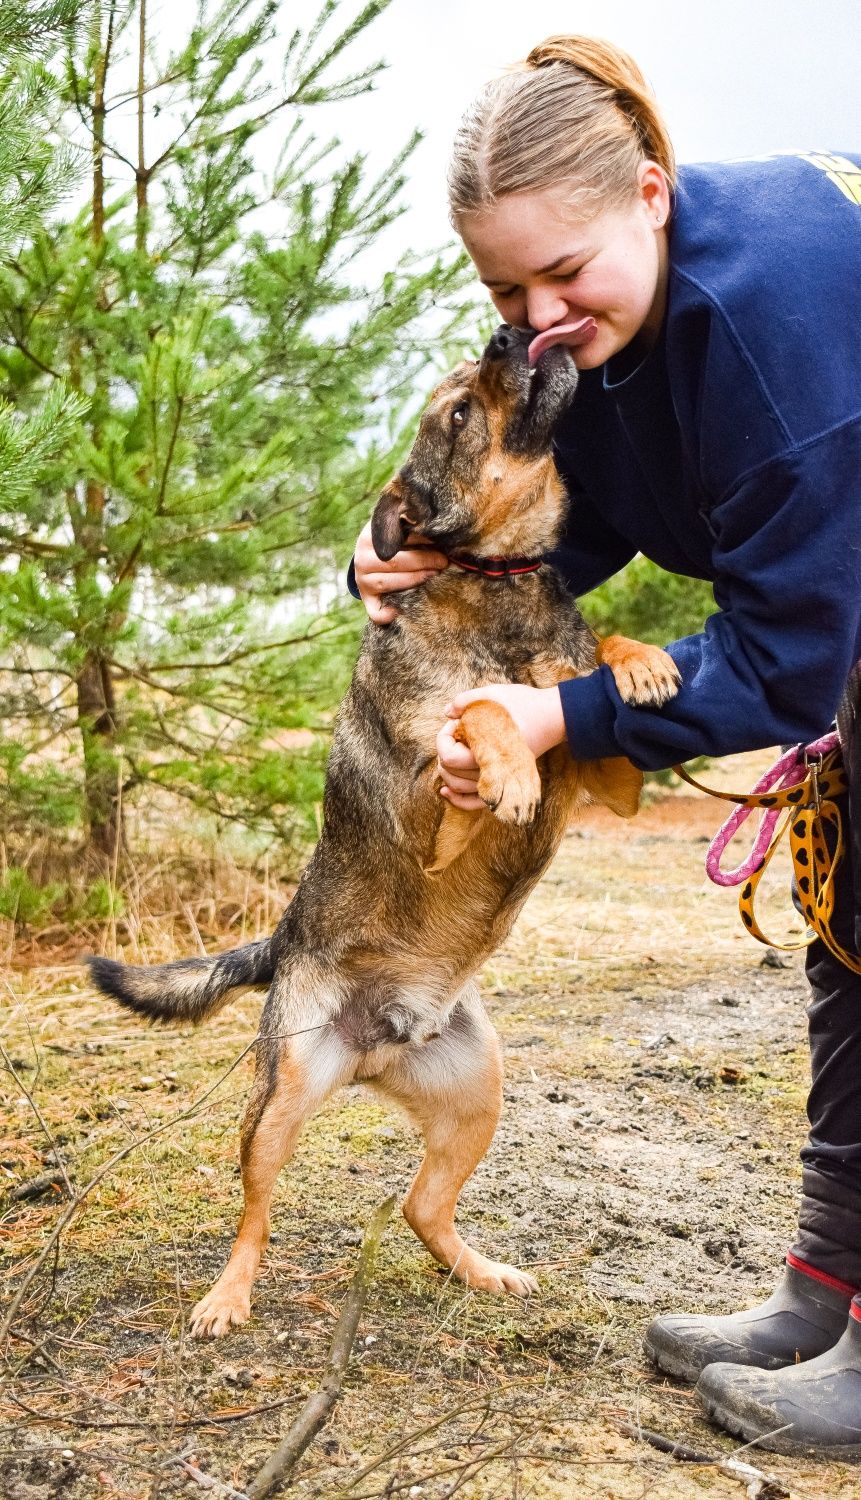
{"type": "Point", "coordinates": [644, 675]}
{"type": "Point", "coordinates": [512, 792]}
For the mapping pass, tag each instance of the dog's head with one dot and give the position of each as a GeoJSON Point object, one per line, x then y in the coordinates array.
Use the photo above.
{"type": "Point", "coordinates": [480, 476]}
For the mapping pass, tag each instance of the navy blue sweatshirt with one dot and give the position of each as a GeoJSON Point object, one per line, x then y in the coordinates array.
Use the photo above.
{"type": "Point", "coordinates": [733, 453]}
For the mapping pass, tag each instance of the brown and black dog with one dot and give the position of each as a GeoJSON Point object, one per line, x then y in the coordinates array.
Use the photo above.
{"type": "Point", "coordinates": [371, 967]}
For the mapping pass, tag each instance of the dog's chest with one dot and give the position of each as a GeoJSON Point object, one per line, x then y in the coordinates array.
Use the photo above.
{"type": "Point", "coordinates": [450, 638]}
{"type": "Point", "coordinates": [463, 637]}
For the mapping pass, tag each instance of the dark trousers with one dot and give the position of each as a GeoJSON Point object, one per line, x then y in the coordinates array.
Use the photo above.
{"type": "Point", "coordinates": [829, 1229]}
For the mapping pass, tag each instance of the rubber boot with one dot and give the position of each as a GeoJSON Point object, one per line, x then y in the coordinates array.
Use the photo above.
{"type": "Point", "coordinates": [813, 1408]}
{"type": "Point", "coordinates": [804, 1316]}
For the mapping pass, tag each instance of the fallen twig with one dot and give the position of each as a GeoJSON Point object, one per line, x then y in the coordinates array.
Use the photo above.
{"type": "Point", "coordinates": [202, 1419]}
{"type": "Point", "coordinates": [208, 1482]}
{"type": "Point", "coordinates": [35, 1187]}
{"type": "Point", "coordinates": [55, 1150]}
{"type": "Point", "coordinates": [481, 1403]}
{"type": "Point", "coordinates": [318, 1406]}
{"type": "Point", "coordinates": [760, 1486]}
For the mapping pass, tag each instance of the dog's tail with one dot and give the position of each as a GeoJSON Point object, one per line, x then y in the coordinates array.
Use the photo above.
{"type": "Point", "coordinates": [190, 990]}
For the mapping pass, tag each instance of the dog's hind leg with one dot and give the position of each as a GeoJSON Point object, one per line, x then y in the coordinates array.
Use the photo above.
{"type": "Point", "coordinates": [290, 1082]}
{"type": "Point", "coordinates": [452, 1088]}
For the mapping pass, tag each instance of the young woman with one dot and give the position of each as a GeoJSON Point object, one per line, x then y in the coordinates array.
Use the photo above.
{"type": "Point", "coordinates": [714, 316]}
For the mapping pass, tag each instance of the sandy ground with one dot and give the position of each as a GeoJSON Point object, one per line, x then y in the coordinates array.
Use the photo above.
{"type": "Point", "coordinates": [646, 1161]}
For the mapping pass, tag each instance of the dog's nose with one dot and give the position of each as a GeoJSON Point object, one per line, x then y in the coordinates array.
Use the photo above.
{"type": "Point", "coordinates": [503, 341]}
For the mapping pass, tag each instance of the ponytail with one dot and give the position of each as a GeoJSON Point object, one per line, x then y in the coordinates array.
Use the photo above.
{"type": "Point", "coordinates": [617, 72]}
{"type": "Point", "coordinates": [576, 115]}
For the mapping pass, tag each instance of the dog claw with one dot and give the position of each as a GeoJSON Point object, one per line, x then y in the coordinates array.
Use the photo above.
{"type": "Point", "coordinates": [648, 683]}
{"type": "Point", "coordinates": [518, 1283]}
{"type": "Point", "coordinates": [217, 1312]}
{"type": "Point", "coordinates": [644, 675]}
{"type": "Point", "coordinates": [512, 797]}
{"type": "Point", "coordinates": [494, 1276]}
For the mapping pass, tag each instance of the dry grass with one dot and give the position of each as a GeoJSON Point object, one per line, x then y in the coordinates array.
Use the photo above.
{"type": "Point", "coordinates": [646, 1160]}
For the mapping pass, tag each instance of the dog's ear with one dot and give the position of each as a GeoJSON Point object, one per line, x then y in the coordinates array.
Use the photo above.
{"type": "Point", "coordinates": [391, 522]}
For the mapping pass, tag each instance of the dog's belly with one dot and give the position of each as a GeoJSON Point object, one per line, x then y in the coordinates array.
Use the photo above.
{"type": "Point", "coordinates": [427, 1051]}
{"type": "Point", "coordinates": [472, 905]}
{"type": "Point", "coordinates": [382, 1020]}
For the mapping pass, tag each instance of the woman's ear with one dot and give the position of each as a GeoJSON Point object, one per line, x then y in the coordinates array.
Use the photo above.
{"type": "Point", "coordinates": [391, 523]}
{"type": "Point", "coordinates": [654, 190]}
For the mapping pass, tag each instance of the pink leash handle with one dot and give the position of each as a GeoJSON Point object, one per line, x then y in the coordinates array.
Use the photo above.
{"type": "Point", "coordinates": [787, 772]}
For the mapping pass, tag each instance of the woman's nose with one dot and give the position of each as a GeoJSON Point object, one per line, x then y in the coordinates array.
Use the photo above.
{"type": "Point", "coordinates": [545, 308]}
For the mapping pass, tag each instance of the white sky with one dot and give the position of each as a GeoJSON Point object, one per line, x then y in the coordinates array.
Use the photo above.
{"type": "Point", "coordinates": [734, 77]}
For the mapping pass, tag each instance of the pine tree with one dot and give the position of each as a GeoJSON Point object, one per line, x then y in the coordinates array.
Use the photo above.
{"type": "Point", "coordinates": [33, 176]}
{"type": "Point", "coordinates": [242, 389]}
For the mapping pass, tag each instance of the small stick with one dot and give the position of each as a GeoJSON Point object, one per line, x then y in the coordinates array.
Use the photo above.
{"type": "Point", "coordinates": [38, 1113]}
{"type": "Point", "coordinates": [768, 1488]}
{"type": "Point", "coordinates": [36, 1186]}
{"type": "Point", "coordinates": [207, 1482]}
{"type": "Point", "coordinates": [203, 1419]}
{"type": "Point", "coordinates": [318, 1407]}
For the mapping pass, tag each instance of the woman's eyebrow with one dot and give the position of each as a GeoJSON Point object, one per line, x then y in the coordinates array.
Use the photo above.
{"type": "Point", "coordinates": [542, 270]}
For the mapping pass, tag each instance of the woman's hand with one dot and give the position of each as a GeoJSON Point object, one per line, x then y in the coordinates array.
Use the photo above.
{"type": "Point", "coordinates": [375, 578]}
{"type": "Point", "coordinates": [537, 712]}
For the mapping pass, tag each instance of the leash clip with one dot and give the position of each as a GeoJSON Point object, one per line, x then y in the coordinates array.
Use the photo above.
{"type": "Point", "coordinates": [813, 763]}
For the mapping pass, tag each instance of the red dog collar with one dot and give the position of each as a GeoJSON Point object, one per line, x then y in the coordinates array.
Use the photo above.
{"type": "Point", "coordinates": [497, 567]}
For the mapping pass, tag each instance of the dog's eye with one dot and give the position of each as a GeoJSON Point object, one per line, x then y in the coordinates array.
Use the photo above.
{"type": "Point", "coordinates": [458, 416]}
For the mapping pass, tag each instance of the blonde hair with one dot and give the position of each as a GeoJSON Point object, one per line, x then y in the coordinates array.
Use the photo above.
{"type": "Point", "coordinates": [576, 115]}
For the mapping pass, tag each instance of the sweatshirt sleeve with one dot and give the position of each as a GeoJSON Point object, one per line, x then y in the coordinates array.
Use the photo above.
{"type": "Point", "coordinates": [769, 668]}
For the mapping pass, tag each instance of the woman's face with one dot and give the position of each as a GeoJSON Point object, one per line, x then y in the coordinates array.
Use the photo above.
{"type": "Point", "coordinates": [544, 266]}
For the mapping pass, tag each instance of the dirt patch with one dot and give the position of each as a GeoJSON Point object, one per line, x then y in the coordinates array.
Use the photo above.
{"type": "Point", "coordinates": [646, 1160]}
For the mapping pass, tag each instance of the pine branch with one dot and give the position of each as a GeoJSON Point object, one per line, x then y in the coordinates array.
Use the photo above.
{"type": "Point", "coordinates": [29, 26]}
{"type": "Point", "coordinates": [246, 403]}
{"type": "Point", "coordinates": [28, 546]}
{"type": "Point", "coordinates": [364, 19]}
{"type": "Point", "coordinates": [28, 353]}
{"type": "Point", "coordinates": [230, 659]}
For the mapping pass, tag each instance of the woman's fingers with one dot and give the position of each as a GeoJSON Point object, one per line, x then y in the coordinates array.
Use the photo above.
{"type": "Point", "coordinates": [377, 611]}
{"type": "Point", "coordinates": [375, 578]}
{"type": "Point", "coordinates": [378, 586]}
{"type": "Point", "coordinates": [464, 785]}
{"type": "Point", "coordinates": [466, 803]}
{"type": "Point", "coordinates": [458, 770]}
{"type": "Point", "coordinates": [392, 583]}
{"type": "Point", "coordinates": [454, 758]}
{"type": "Point", "coordinates": [418, 544]}
{"type": "Point", "coordinates": [410, 559]}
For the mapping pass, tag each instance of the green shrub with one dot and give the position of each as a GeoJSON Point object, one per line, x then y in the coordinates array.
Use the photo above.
{"type": "Point", "coordinates": [23, 902]}
{"type": "Point", "coordinates": [645, 602]}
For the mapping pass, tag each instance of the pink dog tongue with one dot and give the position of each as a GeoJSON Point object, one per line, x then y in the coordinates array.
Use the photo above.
{"type": "Point", "coordinates": [571, 334]}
